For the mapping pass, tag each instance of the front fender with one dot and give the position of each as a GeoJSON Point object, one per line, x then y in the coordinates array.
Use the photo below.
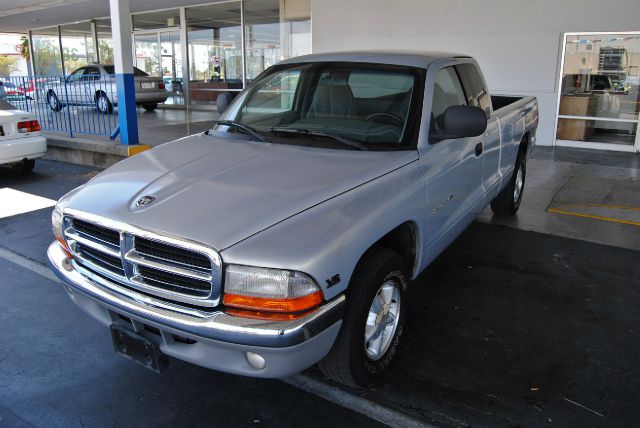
{"type": "Point", "coordinates": [329, 238]}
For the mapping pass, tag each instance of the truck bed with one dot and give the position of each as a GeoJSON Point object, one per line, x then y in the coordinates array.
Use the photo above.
{"type": "Point", "coordinates": [500, 101]}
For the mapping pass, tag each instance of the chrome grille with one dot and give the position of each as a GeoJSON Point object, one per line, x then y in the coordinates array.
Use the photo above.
{"type": "Point", "coordinates": [103, 260]}
{"type": "Point", "coordinates": [102, 234]}
{"type": "Point", "coordinates": [173, 270]}
{"type": "Point", "coordinates": [166, 252]}
{"type": "Point", "coordinates": [177, 283]}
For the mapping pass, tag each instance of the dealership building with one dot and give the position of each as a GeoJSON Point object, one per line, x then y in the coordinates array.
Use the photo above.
{"type": "Point", "coordinates": [581, 59]}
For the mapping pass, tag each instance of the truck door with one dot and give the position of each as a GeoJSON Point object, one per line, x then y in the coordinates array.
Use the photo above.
{"type": "Point", "coordinates": [452, 168]}
{"type": "Point", "coordinates": [477, 95]}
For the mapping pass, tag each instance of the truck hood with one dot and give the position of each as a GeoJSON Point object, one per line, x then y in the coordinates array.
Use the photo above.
{"type": "Point", "coordinates": [219, 191]}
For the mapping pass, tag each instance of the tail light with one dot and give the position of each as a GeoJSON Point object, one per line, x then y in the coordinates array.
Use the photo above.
{"type": "Point", "coordinates": [161, 85]}
{"type": "Point", "coordinates": [28, 126]}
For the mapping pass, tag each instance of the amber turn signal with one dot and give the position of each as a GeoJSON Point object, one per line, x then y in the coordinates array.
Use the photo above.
{"type": "Point", "coordinates": [295, 304]}
{"type": "Point", "coordinates": [64, 246]}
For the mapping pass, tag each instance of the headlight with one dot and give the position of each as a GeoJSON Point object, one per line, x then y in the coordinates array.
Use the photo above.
{"type": "Point", "coordinates": [57, 218]}
{"type": "Point", "coordinates": [270, 290]}
{"type": "Point", "coordinates": [57, 224]}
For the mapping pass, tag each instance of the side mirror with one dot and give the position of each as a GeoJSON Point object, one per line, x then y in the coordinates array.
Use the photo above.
{"type": "Point", "coordinates": [223, 101]}
{"type": "Point", "coordinates": [461, 122]}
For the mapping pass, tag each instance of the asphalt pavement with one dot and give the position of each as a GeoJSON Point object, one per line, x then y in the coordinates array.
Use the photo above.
{"type": "Point", "coordinates": [506, 328]}
{"type": "Point", "coordinates": [58, 367]}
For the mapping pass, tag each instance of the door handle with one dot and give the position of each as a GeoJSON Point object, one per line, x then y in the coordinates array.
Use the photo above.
{"type": "Point", "coordinates": [479, 149]}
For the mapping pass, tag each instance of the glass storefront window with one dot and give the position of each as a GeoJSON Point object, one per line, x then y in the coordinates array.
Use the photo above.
{"type": "Point", "coordinates": [273, 31]}
{"type": "Point", "coordinates": [297, 38]}
{"type": "Point", "coordinates": [215, 51]}
{"type": "Point", "coordinates": [296, 28]}
{"type": "Point", "coordinates": [46, 52]}
{"type": "Point", "coordinates": [146, 48]}
{"type": "Point", "coordinates": [599, 90]}
{"type": "Point", "coordinates": [105, 42]}
{"type": "Point", "coordinates": [78, 47]}
{"type": "Point", "coordinates": [156, 20]}
{"type": "Point", "coordinates": [272, 34]}
{"type": "Point", "coordinates": [262, 35]}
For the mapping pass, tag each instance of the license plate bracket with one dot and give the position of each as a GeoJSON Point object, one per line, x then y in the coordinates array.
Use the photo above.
{"type": "Point", "coordinates": [138, 348]}
{"type": "Point", "coordinates": [147, 85]}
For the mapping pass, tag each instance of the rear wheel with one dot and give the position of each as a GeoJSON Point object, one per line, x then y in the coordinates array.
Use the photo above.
{"type": "Point", "coordinates": [103, 105]}
{"type": "Point", "coordinates": [150, 107]}
{"type": "Point", "coordinates": [25, 166]}
{"type": "Point", "coordinates": [53, 101]}
{"type": "Point", "coordinates": [507, 203]}
{"type": "Point", "coordinates": [374, 320]}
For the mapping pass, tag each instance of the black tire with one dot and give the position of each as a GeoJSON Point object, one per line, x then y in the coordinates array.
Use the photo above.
{"type": "Point", "coordinates": [103, 105]}
{"type": "Point", "coordinates": [150, 107]}
{"type": "Point", "coordinates": [53, 101]}
{"type": "Point", "coordinates": [25, 167]}
{"type": "Point", "coordinates": [507, 203]}
{"type": "Point", "coordinates": [348, 362]}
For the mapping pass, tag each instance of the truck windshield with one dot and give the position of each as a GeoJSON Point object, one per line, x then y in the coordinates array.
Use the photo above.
{"type": "Point", "coordinates": [337, 105]}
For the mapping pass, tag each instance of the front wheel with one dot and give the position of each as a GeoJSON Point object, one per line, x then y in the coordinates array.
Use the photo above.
{"type": "Point", "coordinates": [374, 320]}
{"type": "Point", "coordinates": [53, 101]}
{"type": "Point", "coordinates": [507, 203]}
{"type": "Point", "coordinates": [103, 105]}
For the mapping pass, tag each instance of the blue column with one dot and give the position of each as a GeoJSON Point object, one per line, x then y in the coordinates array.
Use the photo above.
{"type": "Point", "coordinates": [127, 119]}
{"type": "Point", "coordinates": [123, 62]}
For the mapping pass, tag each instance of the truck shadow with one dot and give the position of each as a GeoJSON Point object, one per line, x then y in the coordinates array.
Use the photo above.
{"type": "Point", "coordinates": [506, 326]}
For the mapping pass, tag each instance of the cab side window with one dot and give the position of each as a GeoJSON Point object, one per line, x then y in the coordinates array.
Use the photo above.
{"type": "Point", "coordinates": [92, 73]}
{"type": "Point", "coordinates": [76, 75]}
{"type": "Point", "coordinates": [447, 92]}
{"type": "Point", "coordinates": [477, 94]}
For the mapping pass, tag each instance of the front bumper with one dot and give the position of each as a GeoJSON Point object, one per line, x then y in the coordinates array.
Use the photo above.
{"type": "Point", "coordinates": [217, 341]}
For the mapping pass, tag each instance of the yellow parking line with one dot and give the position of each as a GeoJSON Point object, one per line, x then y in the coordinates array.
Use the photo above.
{"type": "Point", "coordinates": [615, 207]}
{"type": "Point", "coordinates": [595, 217]}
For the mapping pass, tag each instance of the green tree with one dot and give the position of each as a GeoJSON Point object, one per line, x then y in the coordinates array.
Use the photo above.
{"type": "Point", "coordinates": [8, 65]}
{"type": "Point", "coordinates": [24, 51]}
{"type": "Point", "coordinates": [46, 58]}
{"type": "Point", "coordinates": [106, 52]}
{"type": "Point", "coordinates": [24, 48]}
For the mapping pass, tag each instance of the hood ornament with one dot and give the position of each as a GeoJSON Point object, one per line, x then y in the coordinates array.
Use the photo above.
{"type": "Point", "coordinates": [145, 200]}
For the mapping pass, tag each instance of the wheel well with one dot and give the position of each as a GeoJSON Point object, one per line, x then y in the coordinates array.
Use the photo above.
{"type": "Point", "coordinates": [98, 92]}
{"type": "Point", "coordinates": [403, 240]}
{"type": "Point", "coordinates": [524, 144]}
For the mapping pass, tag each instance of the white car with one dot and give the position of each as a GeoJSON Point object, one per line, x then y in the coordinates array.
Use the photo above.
{"type": "Point", "coordinates": [20, 139]}
{"type": "Point", "coordinates": [95, 85]}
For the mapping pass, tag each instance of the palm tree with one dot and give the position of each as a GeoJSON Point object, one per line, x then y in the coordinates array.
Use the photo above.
{"type": "Point", "coordinates": [24, 52]}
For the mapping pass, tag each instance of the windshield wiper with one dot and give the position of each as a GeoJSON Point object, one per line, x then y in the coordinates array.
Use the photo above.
{"type": "Point", "coordinates": [249, 130]}
{"type": "Point", "coordinates": [314, 133]}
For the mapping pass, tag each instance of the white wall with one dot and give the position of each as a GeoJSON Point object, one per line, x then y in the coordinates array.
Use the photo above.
{"type": "Point", "coordinates": [518, 43]}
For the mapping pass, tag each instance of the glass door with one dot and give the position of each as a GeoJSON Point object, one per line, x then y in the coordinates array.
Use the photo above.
{"type": "Point", "coordinates": [171, 64]}
{"type": "Point", "coordinates": [147, 52]}
{"type": "Point", "coordinates": [599, 103]}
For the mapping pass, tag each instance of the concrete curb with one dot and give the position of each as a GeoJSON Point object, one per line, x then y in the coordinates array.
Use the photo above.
{"type": "Point", "coordinates": [85, 151]}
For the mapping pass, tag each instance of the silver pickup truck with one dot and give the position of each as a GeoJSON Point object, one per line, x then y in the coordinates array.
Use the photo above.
{"type": "Point", "coordinates": [289, 233]}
